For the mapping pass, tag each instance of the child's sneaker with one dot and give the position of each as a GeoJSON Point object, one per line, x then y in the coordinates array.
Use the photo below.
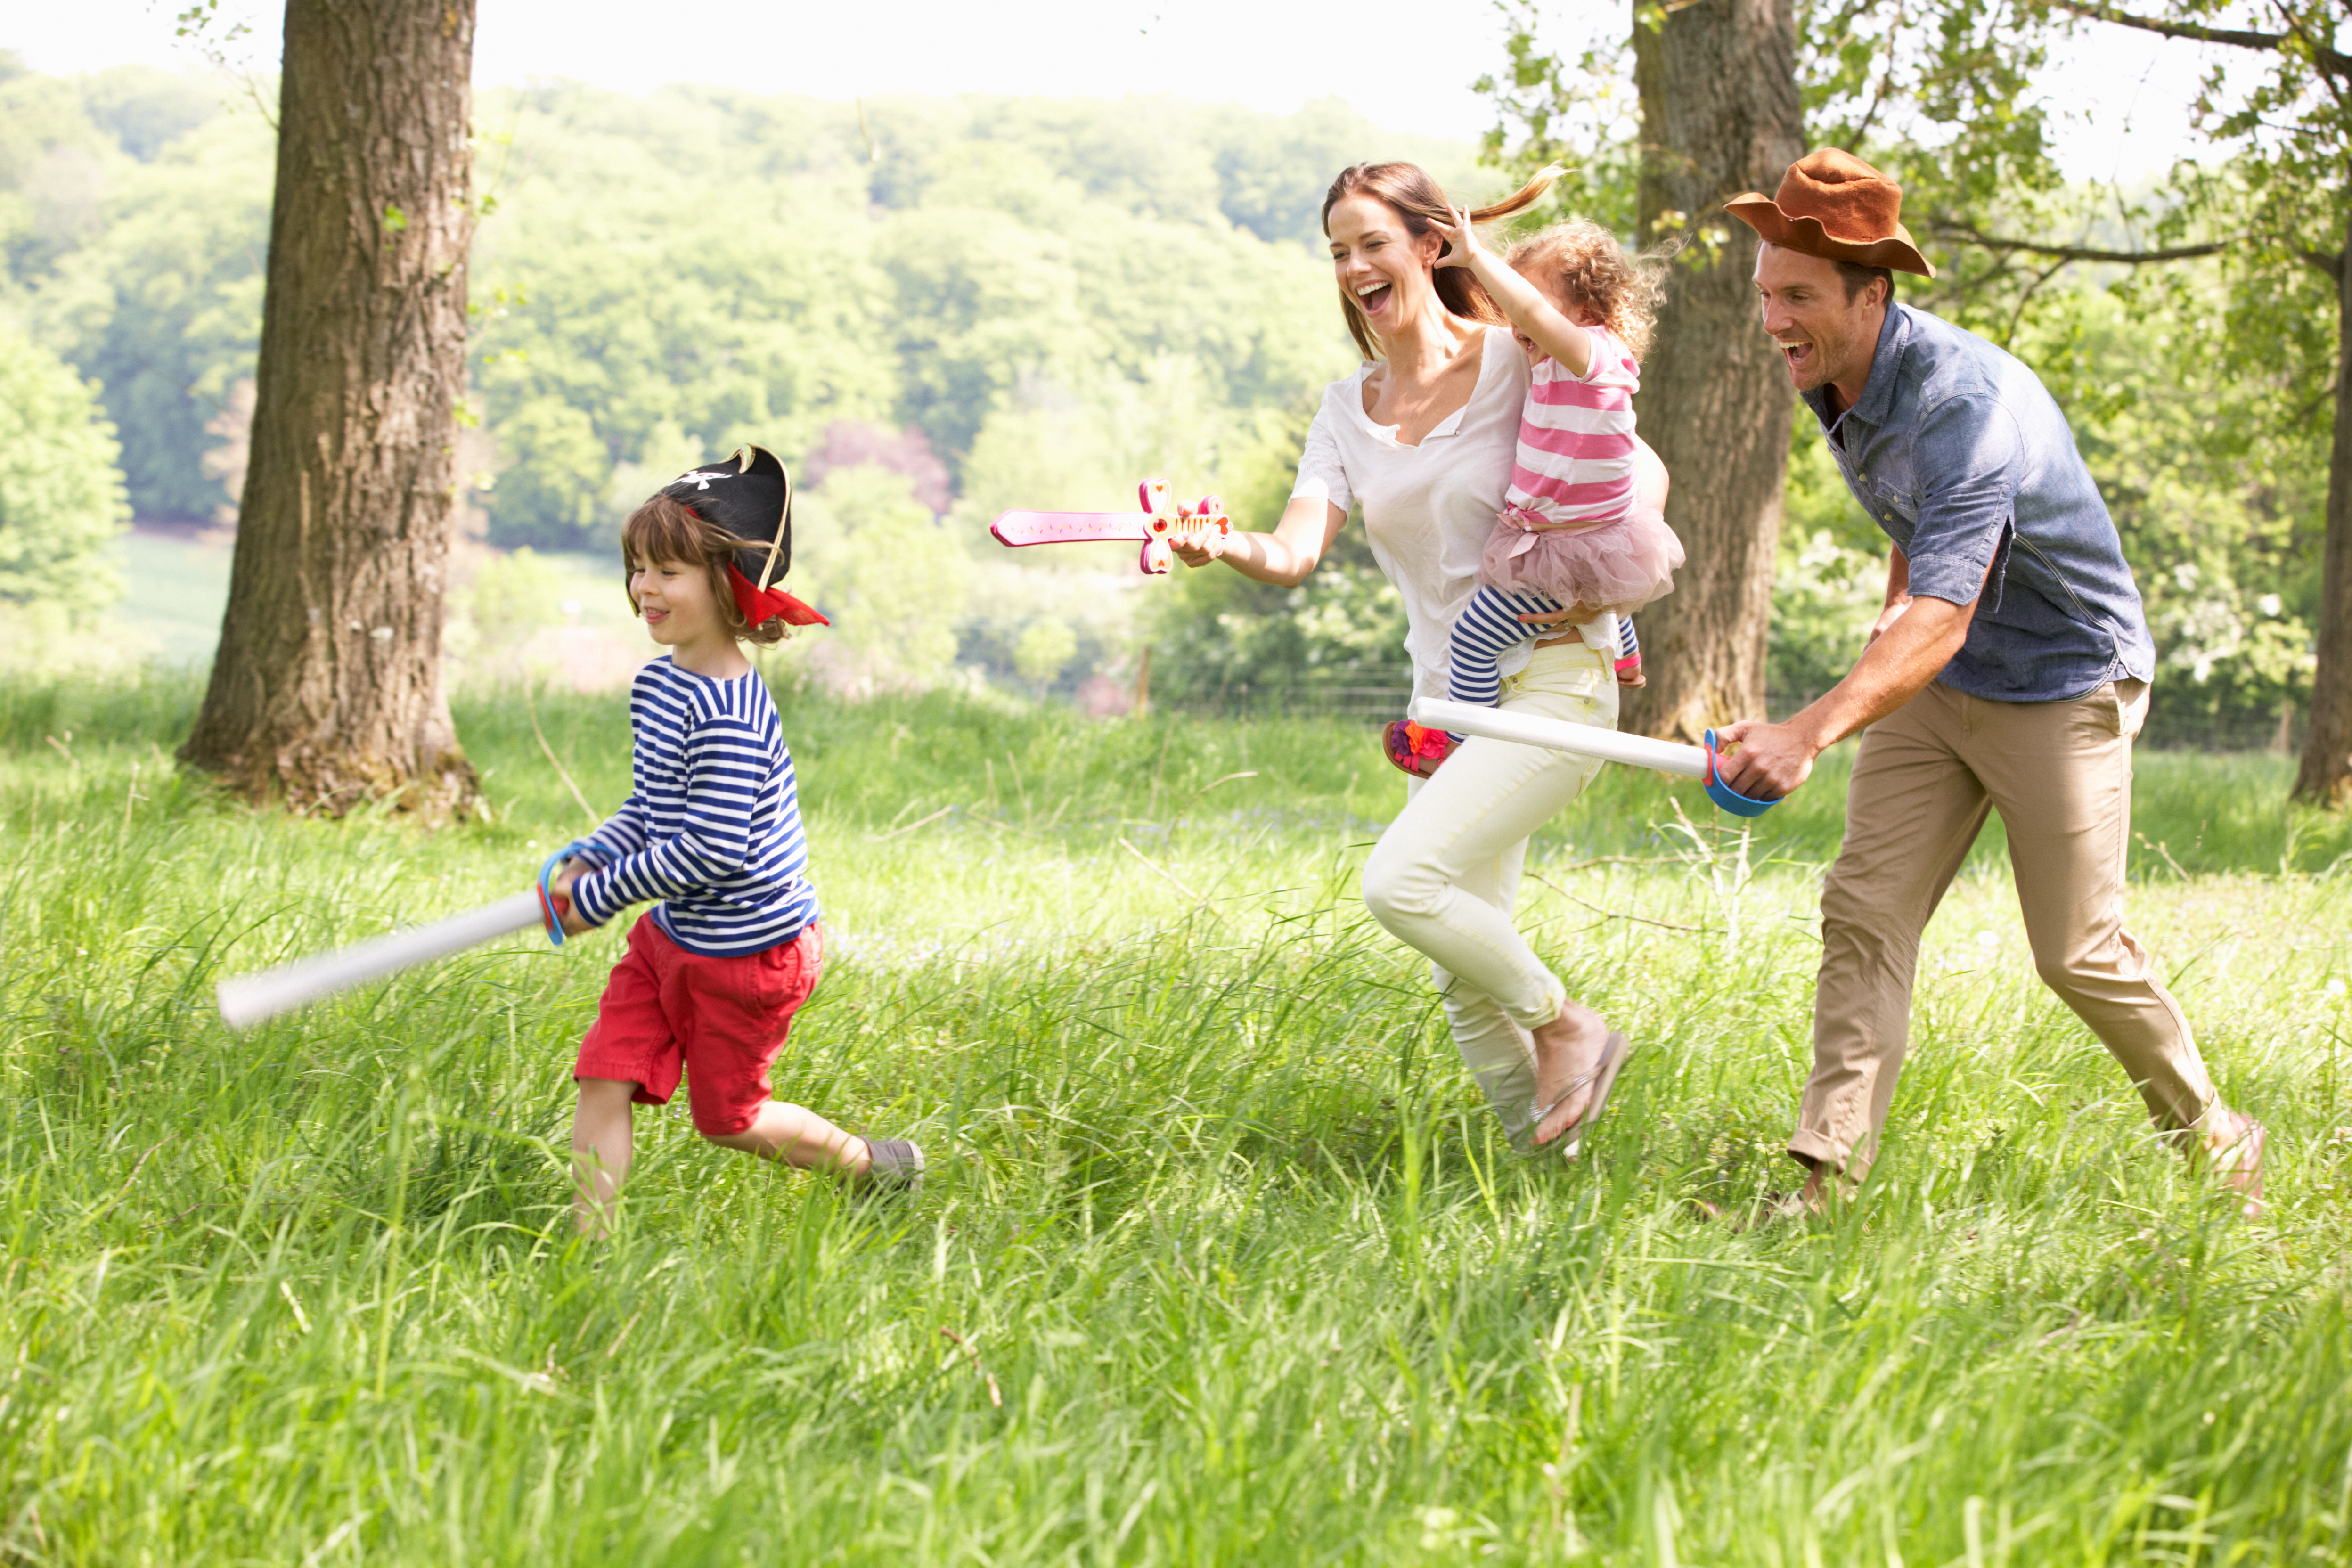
{"type": "Point", "coordinates": [894, 1165]}
{"type": "Point", "coordinates": [1415, 750]}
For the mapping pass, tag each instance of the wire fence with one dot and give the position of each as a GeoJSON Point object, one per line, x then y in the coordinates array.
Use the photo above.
{"type": "Point", "coordinates": [1366, 705]}
{"type": "Point", "coordinates": [2185, 729]}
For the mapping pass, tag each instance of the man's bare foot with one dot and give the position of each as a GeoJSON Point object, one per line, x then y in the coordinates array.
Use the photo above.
{"type": "Point", "coordinates": [1566, 1048]}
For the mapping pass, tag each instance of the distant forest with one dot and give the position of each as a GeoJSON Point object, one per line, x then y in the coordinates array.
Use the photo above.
{"type": "Point", "coordinates": [1025, 284]}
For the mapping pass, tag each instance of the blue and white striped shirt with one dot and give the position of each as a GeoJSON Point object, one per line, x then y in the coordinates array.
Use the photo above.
{"type": "Point", "coordinates": [713, 827]}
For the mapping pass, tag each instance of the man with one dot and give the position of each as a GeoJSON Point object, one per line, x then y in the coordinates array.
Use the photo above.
{"type": "Point", "coordinates": [2009, 670]}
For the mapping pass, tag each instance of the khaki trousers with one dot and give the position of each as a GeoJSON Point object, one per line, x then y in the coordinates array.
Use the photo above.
{"type": "Point", "coordinates": [2060, 774]}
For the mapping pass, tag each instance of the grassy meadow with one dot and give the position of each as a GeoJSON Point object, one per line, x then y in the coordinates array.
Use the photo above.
{"type": "Point", "coordinates": [1219, 1260]}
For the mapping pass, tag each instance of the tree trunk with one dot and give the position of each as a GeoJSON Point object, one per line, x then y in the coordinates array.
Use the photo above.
{"type": "Point", "coordinates": [2326, 775]}
{"type": "Point", "coordinates": [1720, 115]}
{"type": "Point", "coordinates": [326, 688]}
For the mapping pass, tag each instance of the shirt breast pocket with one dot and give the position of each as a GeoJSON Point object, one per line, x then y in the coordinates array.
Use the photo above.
{"type": "Point", "coordinates": [1892, 494]}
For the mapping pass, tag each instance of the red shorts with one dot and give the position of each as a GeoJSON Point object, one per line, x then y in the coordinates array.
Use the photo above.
{"type": "Point", "coordinates": [721, 1021]}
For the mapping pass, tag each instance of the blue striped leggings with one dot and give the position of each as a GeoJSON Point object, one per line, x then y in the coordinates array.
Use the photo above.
{"type": "Point", "coordinates": [1490, 627]}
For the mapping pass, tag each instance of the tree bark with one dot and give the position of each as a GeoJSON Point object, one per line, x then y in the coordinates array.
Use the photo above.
{"type": "Point", "coordinates": [326, 689]}
{"type": "Point", "coordinates": [2325, 777]}
{"type": "Point", "coordinates": [1720, 114]}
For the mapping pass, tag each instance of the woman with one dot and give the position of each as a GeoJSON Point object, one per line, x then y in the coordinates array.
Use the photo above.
{"type": "Point", "coordinates": [1422, 437]}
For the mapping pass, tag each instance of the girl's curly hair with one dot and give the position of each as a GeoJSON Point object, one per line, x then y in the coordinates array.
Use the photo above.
{"type": "Point", "coordinates": [1592, 270]}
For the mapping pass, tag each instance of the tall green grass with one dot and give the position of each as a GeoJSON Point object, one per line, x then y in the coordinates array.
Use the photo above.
{"type": "Point", "coordinates": [1220, 1260]}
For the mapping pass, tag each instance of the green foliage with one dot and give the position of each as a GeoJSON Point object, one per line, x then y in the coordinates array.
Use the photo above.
{"type": "Point", "coordinates": [1573, 108]}
{"type": "Point", "coordinates": [144, 110]}
{"type": "Point", "coordinates": [509, 597]}
{"type": "Point", "coordinates": [661, 278]}
{"type": "Point", "coordinates": [1216, 632]}
{"type": "Point", "coordinates": [2277, 201]}
{"type": "Point", "coordinates": [1824, 596]}
{"type": "Point", "coordinates": [1830, 581]}
{"type": "Point", "coordinates": [2272, 204]}
{"type": "Point", "coordinates": [1085, 446]}
{"type": "Point", "coordinates": [2221, 502]}
{"type": "Point", "coordinates": [61, 491]}
{"type": "Point", "coordinates": [125, 712]}
{"type": "Point", "coordinates": [1943, 96]}
{"type": "Point", "coordinates": [2199, 390]}
{"type": "Point", "coordinates": [1271, 173]}
{"type": "Point", "coordinates": [53, 168]}
{"type": "Point", "coordinates": [733, 267]}
{"type": "Point", "coordinates": [1218, 1261]}
{"type": "Point", "coordinates": [1950, 99]}
{"type": "Point", "coordinates": [876, 562]}
{"type": "Point", "coordinates": [560, 480]}
{"type": "Point", "coordinates": [705, 267]}
{"type": "Point", "coordinates": [159, 299]}
{"type": "Point", "coordinates": [1046, 648]}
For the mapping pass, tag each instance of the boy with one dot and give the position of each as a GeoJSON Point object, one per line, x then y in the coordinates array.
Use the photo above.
{"type": "Point", "coordinates": [716, 969]}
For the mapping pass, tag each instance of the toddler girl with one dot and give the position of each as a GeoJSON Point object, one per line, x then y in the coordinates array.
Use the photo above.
{"type": "Point", "coordinates": [1571, 536]}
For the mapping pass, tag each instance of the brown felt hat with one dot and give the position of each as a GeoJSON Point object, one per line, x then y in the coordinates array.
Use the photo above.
{"type": "Point", "coordinates": [1833, 204]}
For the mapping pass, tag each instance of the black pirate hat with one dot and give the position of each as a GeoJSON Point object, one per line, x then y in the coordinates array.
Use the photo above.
{"type": "Point", "coordinates": [749, 496]}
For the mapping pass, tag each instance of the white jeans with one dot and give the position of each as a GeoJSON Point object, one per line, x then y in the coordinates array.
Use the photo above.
{"type": "Point", "coordinates": [1443, 877]}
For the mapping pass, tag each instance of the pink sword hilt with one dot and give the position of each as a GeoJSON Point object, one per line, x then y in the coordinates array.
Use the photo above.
{"type": "Point", "coordinates": [1204, 526]}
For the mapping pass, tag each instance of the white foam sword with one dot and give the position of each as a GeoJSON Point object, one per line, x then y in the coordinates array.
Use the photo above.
{"type": "Point", "coordinates": [247, 999]}
{"type": "Point", "coordinates": [1591, 740]}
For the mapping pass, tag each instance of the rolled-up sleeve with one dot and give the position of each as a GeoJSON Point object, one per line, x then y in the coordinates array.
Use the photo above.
{"type": "Point", "coordinates": [1322, 476]}
{"type": "Point", "coordinates": [1972, 447]}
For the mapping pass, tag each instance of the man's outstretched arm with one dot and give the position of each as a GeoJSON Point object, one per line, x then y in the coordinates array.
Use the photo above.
{"type": "Point", "coordinates": [1910, 645]}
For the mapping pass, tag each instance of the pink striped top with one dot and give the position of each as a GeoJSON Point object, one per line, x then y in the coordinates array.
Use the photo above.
{"type": "Point", "coordinates": [1575, 461]}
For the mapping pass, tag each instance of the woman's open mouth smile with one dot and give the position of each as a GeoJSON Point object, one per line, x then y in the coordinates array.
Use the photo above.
{"type": "Point", "coordinates": [1372, 298]}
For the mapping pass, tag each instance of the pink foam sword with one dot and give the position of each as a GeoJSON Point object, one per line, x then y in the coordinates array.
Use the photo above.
{"type": "Point", "coordinates": [1161, 523]}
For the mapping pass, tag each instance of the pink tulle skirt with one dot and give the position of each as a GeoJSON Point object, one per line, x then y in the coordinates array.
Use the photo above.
{"type": "Point", "coordinates": [1612, 567]}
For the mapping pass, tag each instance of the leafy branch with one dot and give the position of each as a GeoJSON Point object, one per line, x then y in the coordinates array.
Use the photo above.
{"type": "Point", "coordinates": [2332, 61]}
{"type": "Point", "coordinates": [2328, 261]}
{"type": "Point", "coordinates": [1967, 233]}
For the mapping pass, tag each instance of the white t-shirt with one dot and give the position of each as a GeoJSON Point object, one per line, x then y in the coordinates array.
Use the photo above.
{"type": "Point", "coordinates": [1427, 508]}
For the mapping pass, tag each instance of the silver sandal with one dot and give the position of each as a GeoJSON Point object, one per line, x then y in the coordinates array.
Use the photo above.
{"type": "Point", "coordinates": [1602, 1078]}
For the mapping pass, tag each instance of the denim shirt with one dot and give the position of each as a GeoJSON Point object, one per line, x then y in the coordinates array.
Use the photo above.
{"type": "Point", "coordinates": [1962, 458]}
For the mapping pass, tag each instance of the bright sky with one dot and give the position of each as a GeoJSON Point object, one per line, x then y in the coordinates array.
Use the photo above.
{"type": "Point", "coordinates": [1405, 67]}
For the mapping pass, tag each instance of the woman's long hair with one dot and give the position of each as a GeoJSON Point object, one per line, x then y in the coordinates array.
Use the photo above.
{"type": "Point", "coordinates": [1407, 189]}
